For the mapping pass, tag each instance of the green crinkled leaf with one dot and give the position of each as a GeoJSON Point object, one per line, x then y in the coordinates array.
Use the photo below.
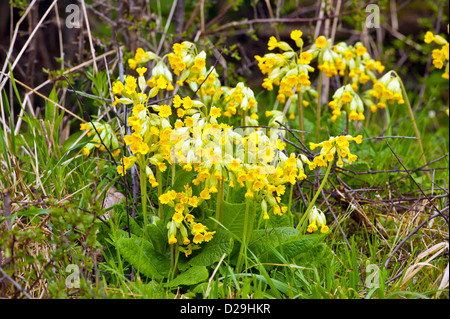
{"type": "Point", "coordinates": [299, 246]}
{"type": "Point", "coordinates": [234, 218]}
{"type": "Point", "coordinates": [284, 240]}
{"type": "Point", "coordinates": [212, 251]}
{"type": "Point", "coordinates": [158, 235]}
{"type": "Point", "coordinates": [192, 276]}
{"type": "Point", "coordinates": [135, 228]}
{"type": "Point", "coordinates": [141, 254]}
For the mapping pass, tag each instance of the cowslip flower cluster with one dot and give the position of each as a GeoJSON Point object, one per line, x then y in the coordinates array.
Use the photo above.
{"type": "Point", "coordinates": [105, 134]}
{"type": "Point", "coordinates": [182, 222]}
{"type": "Point", "coordinates": [317, 219]}
{"type": "Point", "coordinates": [189, 134]}
{"type": "Point", "coordinates": [239, 99]}
{"type": "Point", "coordinates": [254, 161]}
{"type": "Point", "coordinates": [289, 70]}
{"type": "Point", "coordinates": [140, 57]}
{"type": "Point", "coordinates": [387, 90]}
{"type": "Point", "coordinates": [441, 55]}
{"type": "Point", "coordinates": [190, 67]}
{"type": "Point", "coordinates": [356, 63]}
{"type": "Point", "coordinates": [335, 146]}
{"type": "Point", "coordinates": [346, 98]}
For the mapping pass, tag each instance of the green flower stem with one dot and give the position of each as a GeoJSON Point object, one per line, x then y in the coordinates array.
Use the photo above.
{"type": "Point", "coordinates": [319, 102]}
{"type": "Point", "coordinates": [174, 254]}
{"type": "Point", "coordinates": [300, 115]}
{"type": "Point", "coordinates": [159, 180]}
{"type": "Point", "coordinates": [244, 236]}
{"type": "Point", "coordinates": [290, 204]}
{"type": "Point", "coordinates": [219, 204]}
{"type": "Point", "coordinates": [143, 184]}
{"type": "Point", "coordinates": [300, 225]}
{"type": "Point", "coordinates": [416, 130]}
{"type": "Point", "coordinates": [173, 174]}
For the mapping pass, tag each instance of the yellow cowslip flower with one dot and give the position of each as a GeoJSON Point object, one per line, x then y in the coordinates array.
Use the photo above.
{"type": "Point", "coordinates": [134, 138]}
{"type": "Point", "coordinates": [215, 112]}
{"type": "Point", "coordinates": [317, 219]}
{"type": "Point", "coordinates": [360, 50]}
{"type": "Point", "coordinates": [305, 58]}
{"type": "Point", "coordinates": [161, 82]}
{"type": "Point", "coordinates": [86, 151]}
{"type": "Point", "coordinates": [440, 56]}
{"type": "Point", "coordinates": [429, 37]}
{"type": "Point", "coordinates": [172, 240]}
{"type": "Point", "coordinates": [204, 194]}
{"type": "Point", "coordinates": [198, 228]}
{"type": "Point", "coordinates": [117, 88]}
{"type": "Point", "coordinates": [130, 85]}
{"type": "Point", "coordinates": [141, 71]}
{"type": "Point", "coordinates": [176, 63]}
{"type": "Point", "coordinates": [132, 63]}
{"type": "Point", "coordinates": [193, 201]}
{"type": "Point", "coordinates": [335, 146]}
{"type": "Point", "coordinates": [213, 189]}
{"type": "Point", "coordinates": [178, 217]}
{"type": "Point", "coordinates": [177, 101]}
{"type": "Point", "coordinates": [187, 102]}
{"type": "Point", "coordinates": [138, 109]}
{"type": "Point", "coordinates": [296, 35]}
{"type": "Point", "coordinates": [207, 236]}
{"type": "Point", "coordinates": [346, 98]}
{"type": "Point", "coordinates": [348, 55]}
{"type": "Point", "coordinates": [249, 193]}
{"type": "Point", "coordinates": [198, 65]}
{"type": "Point", "coordinates": [321, 42]}
{"type": "Point", "coordinates": [84, 127]}
{"type": "Point", "coordinates": [164, 198]}
{"type": "Point", "coordinates": [273, 43]}
{"type": "Point", "coordinates": [165, 110]}
{"type": "Point", "coordinates": [140, 57]}
{"type": "Point", "coordinates": [198, 238]}
{"type": "Point", "coordinates": [179, 208]}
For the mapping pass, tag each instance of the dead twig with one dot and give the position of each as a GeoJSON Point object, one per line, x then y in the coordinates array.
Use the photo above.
{"type": "Point", "coordinates": [418, 186]}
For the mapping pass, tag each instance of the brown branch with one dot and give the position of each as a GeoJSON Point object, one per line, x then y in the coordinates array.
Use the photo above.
{"type": "Point", "coordinates": [418, 186]}
{"type": "Point", "coordinates": [277, 20]}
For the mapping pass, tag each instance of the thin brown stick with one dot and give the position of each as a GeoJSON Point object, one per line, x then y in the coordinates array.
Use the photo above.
{"type": "Point", "coordinates": [418, 186]}
{"type": "Point", "coordinates": [45, 98]}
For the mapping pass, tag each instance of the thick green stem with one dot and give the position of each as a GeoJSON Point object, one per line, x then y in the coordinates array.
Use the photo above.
{"type": "Point", "coordinates": [143, 184]}
{"type": "Point", "coordinates": [159, 180]}
{"type": "Point", "coordinates": [416, 130]}
{"type": "Point", "coordinates": [311, 203]}
{"type": "Point", "coordinates": [219, 203]}
{"type": "Point", "coordinates": [290, 205]}
{"type": "Point", "coordinates": [301, 126]}
{"type": "Point", "coordinates": [244, 237]}
{"type": "Point", "coordinates": [173, 174]}
{"type": "Point", "coordinates": [319, 104]}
